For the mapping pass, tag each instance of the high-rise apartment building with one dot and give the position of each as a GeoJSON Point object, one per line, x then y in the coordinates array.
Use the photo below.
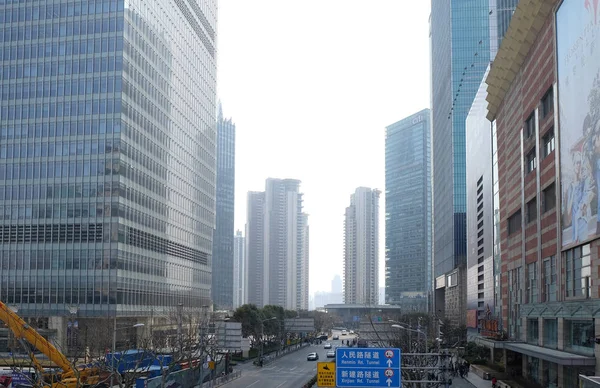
{"type": "Point", "coordinates": [239, 270]}
{"type": "Point", "coordinates": [277, 246]}
{"type": "Point", "coordinates": [464, 36]}
{"type": "Point", "coordinates": [222, 263]}
{"type": "Point", "coordinates": [361, 248]}
{"type": "Point", "coordinates": [107, 167]}
{"type": "Point", "coordinates": [255, 253]}
{"type": "Point", "coordinates": [408, 212]}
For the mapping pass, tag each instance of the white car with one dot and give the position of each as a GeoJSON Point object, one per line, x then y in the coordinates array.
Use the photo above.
{"type": "Point", "coordinates": [331, 354]}
{"type": "Point", "coordinates": [312, 357]}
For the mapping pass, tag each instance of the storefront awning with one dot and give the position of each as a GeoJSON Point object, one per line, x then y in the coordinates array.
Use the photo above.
{"type": "Point", "coordinates": [552, 355]}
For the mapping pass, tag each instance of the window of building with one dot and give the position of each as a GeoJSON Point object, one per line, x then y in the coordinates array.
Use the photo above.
{"type": "Point", "coordinates": [549, 279]}
{"type": "Point", "coordinates": [533, 331]}
{"type": "Point", "coordinates": [550, 333]}
{"type": "Point", "coordinates": [579, 336]}
{"type": "Point", "coordinates": [530, 161]}
{"type": "Point", "coordinates": [514, 222]}
{"type": "Point", "coordinates": [549, 198]}
{"type": "Point", "coordinates": [532, 210]}
{"type": "Point", "coordinates": [453, 279]}
{"type": "Point", "coordinates": [548, 142]}
{"type": "Point", "coordinates": [548, 102]}
{"type": "Point", "coordinates": [578, 272]}
{"type": "Point", "coordinates": [532, 286]}
{"type": "Point", "coordinates": [530, 126]}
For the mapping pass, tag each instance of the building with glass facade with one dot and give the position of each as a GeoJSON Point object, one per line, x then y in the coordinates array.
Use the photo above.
{"type": "Point", "coordinates": [222, 254]}
{"type": "Point", "coordinates": [107, 156]}
{"type": "Point", "coordinates": [408, 225]}
{"type": "Point", "coordinates": [482, 206]}
{"type": "Point", "coordinates": [464, 38]}
{"type": "Point", "coordinates": [361, 248]}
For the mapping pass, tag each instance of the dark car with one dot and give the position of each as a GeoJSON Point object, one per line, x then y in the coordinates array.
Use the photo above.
{"type": "Point", "coordinates": [323, 337]}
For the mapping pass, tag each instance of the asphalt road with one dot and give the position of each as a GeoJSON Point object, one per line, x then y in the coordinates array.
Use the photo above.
{"type": "Point", "coordinates": [289, 371]}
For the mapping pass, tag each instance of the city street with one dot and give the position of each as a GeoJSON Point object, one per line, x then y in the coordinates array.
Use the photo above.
{"type": "Point", "coordinates": [293, 370]}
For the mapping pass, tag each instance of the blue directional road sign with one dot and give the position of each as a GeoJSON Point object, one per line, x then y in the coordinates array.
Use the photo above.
{"type": "Point", "coordinates": [367, 367]}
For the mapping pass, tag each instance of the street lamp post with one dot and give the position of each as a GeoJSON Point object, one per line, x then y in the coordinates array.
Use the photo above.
{"type": "Point", "coordinates": [262, 335]}
{"type": "Point", "coordinates": [114, 345]}
{"type": "Point", "coordinates": [416, 331]}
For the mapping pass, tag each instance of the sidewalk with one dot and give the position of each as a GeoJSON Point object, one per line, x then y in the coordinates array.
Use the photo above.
{"type": "Point", "coordinates": [477, 381]}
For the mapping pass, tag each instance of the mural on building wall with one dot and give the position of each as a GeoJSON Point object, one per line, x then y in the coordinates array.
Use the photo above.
{"type": "Point", "coordinates": [578, 59]}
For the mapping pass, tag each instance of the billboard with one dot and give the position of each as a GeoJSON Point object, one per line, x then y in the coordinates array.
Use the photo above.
{"type": "Point", "coordinates": [578, 73]}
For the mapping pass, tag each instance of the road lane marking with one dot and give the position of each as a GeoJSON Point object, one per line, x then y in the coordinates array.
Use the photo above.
{"type": "Point", "coordinates": [293, 368]}
{"type": "Point", "coordinates": [280, 385]}
{"type": "Point", "coordinates": [248, 386]}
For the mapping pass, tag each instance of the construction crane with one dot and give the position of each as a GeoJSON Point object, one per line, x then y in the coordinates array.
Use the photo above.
{"type": "Point", "coordinates": [70, 377]}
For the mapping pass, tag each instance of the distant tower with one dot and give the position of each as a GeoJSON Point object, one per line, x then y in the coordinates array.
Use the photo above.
{"type": "Point", "coordinates": [239, 270]}
{"type": "Point", "coordinates": [222, 268]}
{"type": "Point", "coordinates": [277, 246]}
{"type": "Point", "coordinates": [255, 248]}
{"type": "Point", "coordinates": [361, 248]}
{"type": "Point", "coordinates": [336, 285]}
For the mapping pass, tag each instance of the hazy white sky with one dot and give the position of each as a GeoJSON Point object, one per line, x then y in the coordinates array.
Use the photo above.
{"type": "Point", "coordinates": [311, 85]}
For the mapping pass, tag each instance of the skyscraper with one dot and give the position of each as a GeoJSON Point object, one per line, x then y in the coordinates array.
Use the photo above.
{"type": "Point", "coordinates": [222, 265]}
{"type": "Point", "coordinates": [361, 248]}
{"type": "Point", "coordinates": [460, 45]}
{"type": "Point", "coordinates": [239, 270]}
{"type": "Point", "coordinates": [408, 212]}
{"type": "Point", "coordinates": [277, 246]}
{"type": "Point", "coordinates": [255, 249]}
{"type": "Point", "coordinates": [110, 208]}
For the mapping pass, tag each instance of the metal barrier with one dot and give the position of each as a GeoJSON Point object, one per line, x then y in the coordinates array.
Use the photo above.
{"type": "Point", "coordinates": [222, 380]}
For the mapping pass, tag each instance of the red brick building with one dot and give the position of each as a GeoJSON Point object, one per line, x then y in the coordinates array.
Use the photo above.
{"type": "Point", "coordinates": [549, 253]}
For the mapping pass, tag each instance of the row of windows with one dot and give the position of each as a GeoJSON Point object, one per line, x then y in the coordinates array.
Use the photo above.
{"type": "Point", "coordinates": [61, 88]}
{"type": "Point", "coordinates": [63, 128]}
{"type": "Point", "coordinates": [548, 203]}
{"type": "Point", "coordinates": [61, 148]}
{"type": "Point", "coordinates": [45, 170]}
{"type": "Point", "coordinates": [43, 11]}
{"type": "Point", "coordinates": [81, 148]}
{"type": "Point", "coordinates": [25, 260]}
{"type": "Point", "coordinates": [98, 64]}
{"type": "Point", "coordinates": [55, 211]}
{"type": "Point", "coordinates": [58, 30]}
{"type": "Point", "coordinates": [59, 191]}
{"type": "Point", "coordinates": [80, 190]}
{"type": "Point", "coordinates": [61, 109]}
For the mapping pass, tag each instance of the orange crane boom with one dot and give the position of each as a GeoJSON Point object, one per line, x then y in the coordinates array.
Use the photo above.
{"type": "Point", "coordinates": [23, 331]}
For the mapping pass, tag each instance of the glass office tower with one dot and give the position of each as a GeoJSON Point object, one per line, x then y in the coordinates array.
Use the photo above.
{"type": "Point", "coordinates": [460, 44]}
{"type": "Point", "coordinates": [408, 212]}
{"type": "Point", "coordinates": [223, 243]}
{"type": "Point", "coordinates": [107, 166]}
